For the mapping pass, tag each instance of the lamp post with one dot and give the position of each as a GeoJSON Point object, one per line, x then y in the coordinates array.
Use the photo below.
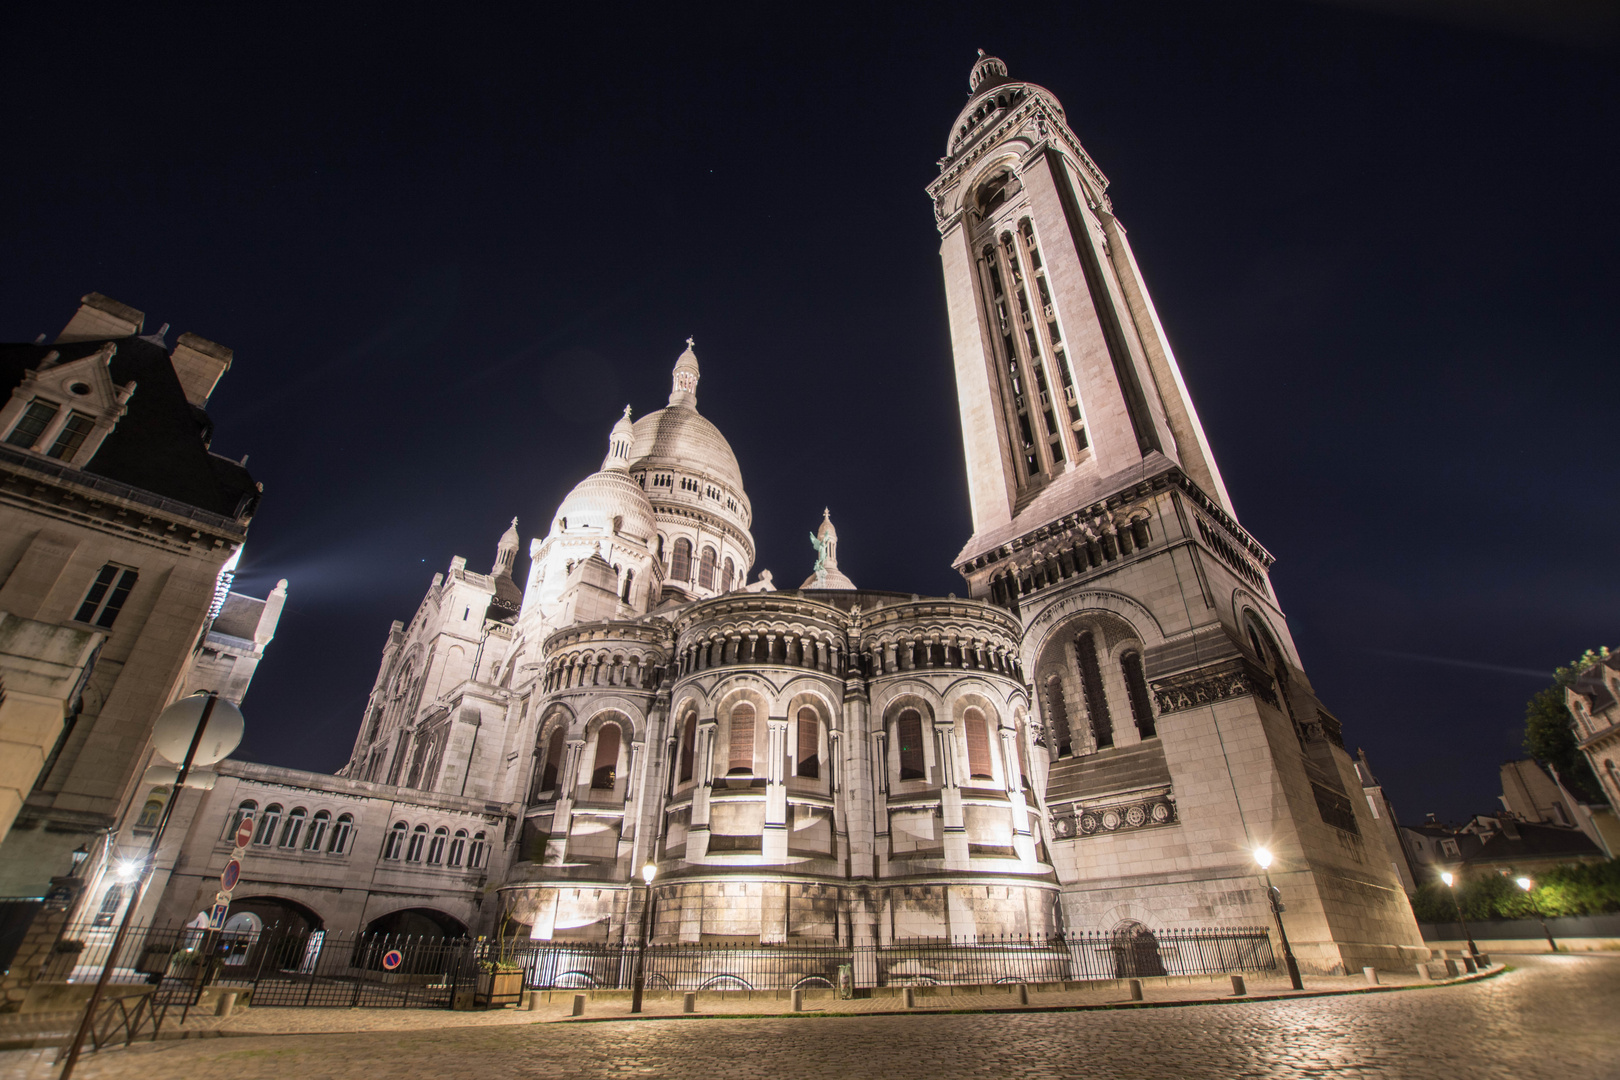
{"type": "Point", "coordinates": [224, 734]}
{"type": "Point", "coordinates": [1274, 894]}
{"type": "Point", "coordinates": [1526, 884]}
{"type": "Point", "coordinates": [1451, 883]}
{"type": "Point", "coordinates": [648, 872]}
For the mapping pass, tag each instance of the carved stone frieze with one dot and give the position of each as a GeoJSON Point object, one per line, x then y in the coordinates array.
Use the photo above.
{"type": "Point", "coordinates": [1207, 685]}
{"type": "Point", "coordinates": [1077, 822]}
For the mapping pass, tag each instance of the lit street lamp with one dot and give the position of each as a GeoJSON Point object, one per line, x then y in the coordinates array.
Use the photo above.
{"type": "Point", "coordinates": [648, 872]}
{"type": "Point", "coordinates": [1451, 883]}
{"type": "Point", "coordinates": [1274, 894]}
{"type": "Point", "coordinates": [1526, 884]}
{"type": "Point", "coordinates": [190, 722]}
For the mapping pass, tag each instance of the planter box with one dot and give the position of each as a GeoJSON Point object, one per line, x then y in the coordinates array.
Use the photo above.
{"type": "Point", "coordinates": [499, 988]}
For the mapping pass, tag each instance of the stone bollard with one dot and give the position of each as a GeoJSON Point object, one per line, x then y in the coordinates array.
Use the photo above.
{"type": "Point", "coordinates": [1484, 961]}
{"type": "Point", "coordinates": [798, 1000]}
{"type": "Point", "coordinates": [1239, 987]}
{"type": "Point", "coordinates": [1023, 993]}
{"type": "Point", "coordinates": [1451, 969]}
{"type": "Point", "coordinates": [1422, 969]}
{"type": "Point", "coordinates": [1136, 988]}
{"type": "Point", "coordinates": [688, 1003]}
{"type": "Point", "coordinates": [1371, 975]}
{"type": "Point", "coordinates": [1469, 967]}
{"type": "Point", "coordinates": [535, 1001]}
{"type": "Point", "coordinates": [579, 1005]}
{"type": "Point", "coordinates": [911, 998]}
{"type": "Point", "coordinates": [226, 1004]}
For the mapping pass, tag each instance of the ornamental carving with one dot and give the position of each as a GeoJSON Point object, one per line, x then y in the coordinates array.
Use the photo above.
{"type": "Point", "coordinates": [1076, 822]}
{"type": "Point", "coordinates": [1207, 685]}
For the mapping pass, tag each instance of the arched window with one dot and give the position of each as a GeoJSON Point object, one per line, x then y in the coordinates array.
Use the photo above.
{"type": "Point", "coordinates": [741, 758]}
{"type": "Point", "coordinates": [245, 809]}
{"type": "Point", "coordinates": [294, 828]}
{"type": "Point", "coordinates": [152, 812]}
{"type": "Point", "coordinates": [553, 761]}
{"type": "Point", "coordinates": [1136, 691]}
{"type": "Point", "coordinates": [680, 563]}
{"type": "Point", "coordinates": [1102, 725]}
{"type": "Point", "coordinates": [809, 760]}
{"type": "Point", "coordinates": [317, 830]}
{"type": "Point", "coordinates": [688, 748]}
{"type": "Point", "coordinates": [727, 575]}
{"type": "Point", "coordinates": [413, 853]}
{"type": "Point", "coordinates": [1057, 716]}
{"type": "Point", "coordinates": [706, 568]}
{"type": "Point", "coordinates": [266, 834]}
{"type": "Point", "coordinates": [342, 831]}
{"type": "Point", "coordinates": [458, 847]}
{"type": "Point", "coordinates": [605, 770]}
{"type": "Point", "coordinates": [908, 730]}
{"type": "Point", "coordinates": [441, 836]}
{"type": "Point", "coordinates": [109, 905]}
{"type": "Point", "coordinates": [394, 846]}
{"type": "Point", "coordinates": [629, 580]}
{"type": "Point", "coordinates": [978, 745]}
{"type": "Point", "coordinates": [476, 851]}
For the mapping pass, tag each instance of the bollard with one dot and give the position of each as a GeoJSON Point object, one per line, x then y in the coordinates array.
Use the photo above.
{"type": "Point", "coordinates": [535, 1001]}
{"type": "Point", "coordinates": [1451, 969]}
{"type": "Point", "coordinates": [798, 1000]}
{"type": "Point", "coordinates": [1469, 967]}
{"type": "Point", "coordinates": [579, 1005]}
{"type": "Point", "coordinates": [1023, 993]}
{"type": "Point", "coordinates": [1239, 987]}
{"type": "Point", "coordinates": [1371, 975]}
{"type": "Point", "coordinates": [1423, 969]}
{"type": "Point", "coordinates": [911, 998]}
{"type": "Point", "coordinates": [226, 1004]}
{"type": "Point", "coordinates": [1484, 961]}
{"type": "Point", "coordinates": [688, 1003]}
{"type": "Point", "coordinates": [1136, 989]}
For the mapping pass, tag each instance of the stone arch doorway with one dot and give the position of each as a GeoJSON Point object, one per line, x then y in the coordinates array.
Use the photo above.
{"type": "Point", "coordinates": [1136, 951]}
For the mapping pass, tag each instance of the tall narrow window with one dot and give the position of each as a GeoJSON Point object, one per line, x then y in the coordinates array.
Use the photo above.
{"type": "Point", "coordinates": [1057, 716]}
{"type": "Point", "coordinates": [741, 758]}
{"type": "Point", "coordinates": [553, 762]}
{"type": "Point", "coordinates": [476, 851]}
{"type": "Point", "coordinates": [706, 568]}
{"type": "Point", "coordinates": [35, 419]}
{"type": "Point", "coordinates": [978, 745]}
{"type": "Point", "coordinates": [1136, 690]}
{"type": "Point", "coordinates": [418, 844]}
{"type": "Point", "coordinates": [1102, 725]}
{"type": "Point", "coordinates": [680, 563]}
{"type": "Point", "coordinates": [71, 437]}
{"type": "Point", "coordinates": [245, 809]}
{"type": "Point", "coordinates": [605, 770]}
{"type": "Point", "coordinates": [294, 828]}
{"type": "Point", "coordinates": [809, 760]}
{"type": "Point", "coordinates": [688, 748]}
{"type": "Point", "coordinates": [317, 830]}
{"type": "Point", "coordinates": [727, 575]}
{"type": "Point", "coordinates": [629, 580]}
{"type": "Point", "coordinates": [394, 846]}
{"type": "Point", "coordinates": [458, 848]}
{"type": "Point", "coordinates": [908, 730]}
{"type": "Point", "coordinates": [342, 830]}
{"type": "Point", "coordinates": [266, 834]}
{"type": "Point", "coordinates": [106, 596]}
{"type": "Point", "coordinates": [1023, 760]}
{"type": "Point", "coordinates": [441, 836]}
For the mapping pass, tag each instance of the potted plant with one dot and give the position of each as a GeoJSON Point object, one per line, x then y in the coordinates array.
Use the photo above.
{"type": "Point", "coordinates": [500, 976]}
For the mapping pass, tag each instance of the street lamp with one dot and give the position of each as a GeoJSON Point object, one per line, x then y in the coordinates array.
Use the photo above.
{"type": "Point", "coordinates": [648, 872]}
{"type": "Point", "coordinates": [1274, 894]}
{"type": "Point", "coordinates": [1451, 883]}
{"type": "Point", "coordinates": [209, 729]}
{"type": "Point", "coordinates": [1526, 884]}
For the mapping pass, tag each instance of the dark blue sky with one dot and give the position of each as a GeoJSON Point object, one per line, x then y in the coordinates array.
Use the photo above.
{"type": "Point", "coordinates": [449, 245]}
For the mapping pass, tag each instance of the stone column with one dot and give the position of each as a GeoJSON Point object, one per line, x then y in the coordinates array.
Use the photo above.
{"type": "Point", "coordinates": [1023, 841]}
{"type": "Point", "coordinates": [950, 797]}
{"type": "Point", "coordinates": [774, 845]}
{"type": "Point", "coordinates": [697, 837]}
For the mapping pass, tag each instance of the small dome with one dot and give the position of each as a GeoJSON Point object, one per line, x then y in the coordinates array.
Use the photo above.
{"type": "Point", "coordinates": [684, 380]}
{"type": "Point", "coordinates": [599, 499]}
{"type": "Point", "coordinates": [988, 72]}
{"type": "Point", "coordinates": [509, 539]}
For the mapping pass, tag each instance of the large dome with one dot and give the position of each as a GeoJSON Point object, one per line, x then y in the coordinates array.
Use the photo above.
{"type": "Point", "coordinates": [601, 497]}
{"type": "Point", "coordinates": [680, 438]}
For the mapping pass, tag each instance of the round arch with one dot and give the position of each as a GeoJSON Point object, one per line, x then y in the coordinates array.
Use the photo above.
{"type": "Point", "coordinates": [418, 922]}
{"type": "Point", "coordinates": [288, 915]}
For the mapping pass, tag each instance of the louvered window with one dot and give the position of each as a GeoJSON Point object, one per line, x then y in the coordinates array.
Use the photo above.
{"type": "Point", "coordinates": [809, 759]}
{"type": "Point", "coordinates": [1102, 725]}
{"type": "Point", "coordinates": [978, 745]}
{"type": "Point", "coordinates": [742, 739]}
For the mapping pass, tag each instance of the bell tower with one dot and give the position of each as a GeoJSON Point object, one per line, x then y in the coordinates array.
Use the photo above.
{"type": "Point", "coordinates": [1067, 384]}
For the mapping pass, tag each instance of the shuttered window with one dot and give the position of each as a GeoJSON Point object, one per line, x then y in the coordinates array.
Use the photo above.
{"type": "Point", "coordinates": [809, 759]}
{"type": "Point", "coordinates": [1102, 725]}
{"type": "Point", "coordinates": [978, 745]}
{"type": "Point", "coordinates": [742, 739]}
{"type": "Point", "coordinates": [1136, 690]}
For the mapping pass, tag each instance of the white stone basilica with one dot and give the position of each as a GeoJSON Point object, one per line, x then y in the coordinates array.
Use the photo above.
{"type": "Point", "coordinates": [1096, 739]}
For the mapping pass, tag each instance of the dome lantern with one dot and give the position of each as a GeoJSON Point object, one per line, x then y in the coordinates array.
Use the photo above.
{"type": "Point", "coordinates": [683, 390]}
{"type": "Point", "coordinates": [620, 441]}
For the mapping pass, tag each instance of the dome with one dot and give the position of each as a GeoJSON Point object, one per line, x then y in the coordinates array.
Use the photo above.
{"type": "Point", "coordinates": [601, 497]}
{"type": "Point", "coordinates": [680, 438]}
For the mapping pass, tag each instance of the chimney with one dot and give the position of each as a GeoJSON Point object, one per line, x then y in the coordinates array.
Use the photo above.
{"type": "Point", "coordinates": [265, 631]}
{"type": "Point", "coordinates": [199, 363]}
{"type": "Point", "coordinates": [99, 318]}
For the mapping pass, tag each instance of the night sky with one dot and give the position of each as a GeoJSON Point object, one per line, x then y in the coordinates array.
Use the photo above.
{"type": "Point", "coordinates": [449, 246]}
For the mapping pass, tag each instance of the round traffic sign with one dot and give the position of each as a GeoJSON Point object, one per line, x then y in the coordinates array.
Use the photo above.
{"type": "Point", "coordinates": [175, 726]}
{"type": "Point", "coordinates": [231, 875]}
{"type": "Point", "coordinates": [244, 832]}
{"type": "Point", "coordinates": [392, 959]}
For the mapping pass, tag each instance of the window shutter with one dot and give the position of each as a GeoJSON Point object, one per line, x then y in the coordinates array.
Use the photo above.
{"type": "Point", "coordinates": [978, 745]}
{"type": "Point", "coordinates": [809, 745]}
{"type": "Point", "coordinates": [742, 738]}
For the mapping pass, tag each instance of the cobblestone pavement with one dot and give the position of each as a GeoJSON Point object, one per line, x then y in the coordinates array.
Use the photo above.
{"type": "Point", "coordinates": [1554, 1017]}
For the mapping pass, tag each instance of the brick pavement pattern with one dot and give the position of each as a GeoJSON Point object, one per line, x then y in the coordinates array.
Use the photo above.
{"type": "Point", "coordinates": [1553, 1017]}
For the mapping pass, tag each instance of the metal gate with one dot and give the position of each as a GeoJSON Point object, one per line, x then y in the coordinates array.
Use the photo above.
{"type": "Point", "coordinates": [319, 968]}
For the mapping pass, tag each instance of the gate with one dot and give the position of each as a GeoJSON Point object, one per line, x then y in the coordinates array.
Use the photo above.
{"type": "Point", "coordinates": [320, 968]}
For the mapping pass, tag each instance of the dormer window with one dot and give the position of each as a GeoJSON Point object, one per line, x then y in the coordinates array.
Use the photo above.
{"type": "Point", "coordinates": [71, 437]}
{"type": "Point", "coordinates": [35, 419]}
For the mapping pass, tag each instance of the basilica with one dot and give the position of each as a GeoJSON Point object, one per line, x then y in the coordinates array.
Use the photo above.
{"type": "Point", "coordinates": [1097, 736]}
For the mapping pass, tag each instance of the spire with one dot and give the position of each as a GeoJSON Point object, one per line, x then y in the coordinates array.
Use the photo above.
{"type": "Point", "coordinates": [987, 72]}
{"type": "Point", "coordinates": [683, 390]}
{"type": "Point", "coordinates": [619, 443]}
{"type": "Point", "coordinates": [826, 574]}
{"type": "Point", "coordinates": [506, 550]}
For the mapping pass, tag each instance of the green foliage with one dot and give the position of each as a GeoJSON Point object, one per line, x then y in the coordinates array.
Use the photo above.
{"type": "Point", "coordinates": [1588, 889]}
{"type": "Point", "coordinates": [1549, 730]}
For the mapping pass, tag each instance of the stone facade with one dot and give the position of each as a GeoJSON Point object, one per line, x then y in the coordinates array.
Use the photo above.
{"type": "Point", "coordinates": [1098, 736]}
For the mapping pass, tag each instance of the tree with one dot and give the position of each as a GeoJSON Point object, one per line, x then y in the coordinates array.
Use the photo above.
{"type": "Point", "coordinates": [1549, 731]}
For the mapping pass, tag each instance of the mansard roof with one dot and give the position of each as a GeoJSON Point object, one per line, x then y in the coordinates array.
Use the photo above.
{"type": "Point", "coordinates": [160, 444]}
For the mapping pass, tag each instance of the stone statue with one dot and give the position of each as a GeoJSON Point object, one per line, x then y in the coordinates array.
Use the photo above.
{"type": "Point", "coordinates": [821, 560]}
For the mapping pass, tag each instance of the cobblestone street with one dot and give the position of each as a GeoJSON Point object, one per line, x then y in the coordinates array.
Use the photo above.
{"type": "Point", "coordinates": [1552, 1017]}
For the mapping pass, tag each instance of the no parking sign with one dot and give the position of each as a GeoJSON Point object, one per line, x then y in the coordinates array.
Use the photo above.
{"type": "Point", "coordinates": [392, 959]}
